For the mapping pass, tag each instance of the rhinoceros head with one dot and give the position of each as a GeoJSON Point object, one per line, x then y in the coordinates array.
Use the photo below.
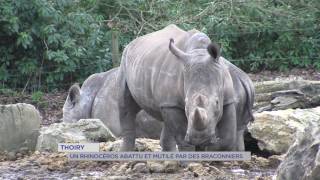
{"type": "Point", "coordinates": [203, 87]}
{"type": "Point", "coordinates": [74, 108]}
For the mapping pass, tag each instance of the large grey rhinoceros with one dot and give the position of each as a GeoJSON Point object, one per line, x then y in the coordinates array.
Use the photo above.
{"type": "Point", "coordinates": [96, 99]}
{"type": "Point", "coordinates": [196, 93]}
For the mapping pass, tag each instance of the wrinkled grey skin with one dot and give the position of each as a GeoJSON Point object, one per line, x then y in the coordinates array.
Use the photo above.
{"type": "Point", "coordinates": [186, 86]}
{"type": "Point", "coordinates": [96, 99]}
{"type": "Point", "coordinates": [244, 99]}
{"type": "Point", "coordinates": [243, 92]}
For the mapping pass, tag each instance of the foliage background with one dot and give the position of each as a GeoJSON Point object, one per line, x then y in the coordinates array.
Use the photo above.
{"type": "Point", "coordinates": [49, 44]}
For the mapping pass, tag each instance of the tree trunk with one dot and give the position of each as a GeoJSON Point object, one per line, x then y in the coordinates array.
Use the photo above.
{"type": "Point", "coordinates": [115, 48]}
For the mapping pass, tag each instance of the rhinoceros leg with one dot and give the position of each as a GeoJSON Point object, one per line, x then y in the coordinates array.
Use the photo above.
{"type": "Point", "coordinates": [167, 141]}
{"type": "Point", "coordinates": [240, 140]}
{"type": "Point", "coordinates": [127, 115]}
{"type": "Point", "coordinates": [128, 110]}
{"type": "Point", "coordinates": [227, 129]}
{"type": "Point", "coordinates": [148, 126]}
{"type": "Point", "coordinates": [175, 126]}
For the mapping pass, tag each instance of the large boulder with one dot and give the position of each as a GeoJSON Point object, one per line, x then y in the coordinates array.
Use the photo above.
{"type": "Point", "coordinates": [84, 130]}
{"type": "Point", "coordinates": [19, 127]}
{"type": "Point", "coordinates": [303, 158]}
{"type": "Point", "coordinates": [275, 131]}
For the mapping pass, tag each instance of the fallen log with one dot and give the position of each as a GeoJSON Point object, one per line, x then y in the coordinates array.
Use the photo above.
{"type": "Point", "coordinates": [288, 94]}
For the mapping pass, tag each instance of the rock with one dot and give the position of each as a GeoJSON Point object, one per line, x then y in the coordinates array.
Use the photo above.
{"type": "Point", "coordinates": [275, 160]}
{"type": "Point", "coordinates": [261, 161]}
{"type": "Point", "coordinates": [57, 166]}
{"type": "Point", "coordinates": [198, 169]}
{"type": "Point", "coordinates": [128, 171]}
{"type": "Point", "coordinates": [215, 170]}
{"type": "Point", "coordinates": [19, 155]}
{"type": "Point", "coordinates": [11, 156]}
{"type": "Point", "coordinates": [122, 168]}
{"type": "Point", "coordinates": [275, 131]}
{"type": "Point", "coordinates": [194, 166]}
{"type": "Point", "coordinates": [303, 158]}
{"type": "Point", "coordinates": [19, 126]}
{"type": "Point", "coordinates": [142, 144]}
{"type": "Point", "coordinates": [171, 166]}
{"type": "Point", "coordinates": [36, 152]}
{"type": "Point", "coordinates": [24, 150]}
{"type": "Point", "coordinates": [245, 164]}
{"type": "Point", "coordinates": [84, 130]}
{"type": "Point", "coordinates": [117, 177]}
{"type": "Point", "coordinates": [156, 167]}
{"type": "Point", "coordinates": [140, 167]}
{"type": "Point", "coordinates": [146, 167]}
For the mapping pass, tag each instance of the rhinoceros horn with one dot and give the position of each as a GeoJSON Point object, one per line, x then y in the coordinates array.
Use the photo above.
{"type": "Point", "coordinates": [177, 52]}
{"type": "Point", "coordinates": [200, 119]}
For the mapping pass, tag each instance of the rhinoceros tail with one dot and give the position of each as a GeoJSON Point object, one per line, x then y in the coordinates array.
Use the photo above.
{"type": "Point", "coordinates": [250, 93]}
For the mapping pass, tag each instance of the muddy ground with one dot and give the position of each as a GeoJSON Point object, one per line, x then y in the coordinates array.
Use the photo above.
{"type": "Point", "coordinates": [47, 165]}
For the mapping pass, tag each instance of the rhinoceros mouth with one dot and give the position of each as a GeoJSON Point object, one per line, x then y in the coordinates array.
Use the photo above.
{"type": "Point", "coordinates": [201, 141]}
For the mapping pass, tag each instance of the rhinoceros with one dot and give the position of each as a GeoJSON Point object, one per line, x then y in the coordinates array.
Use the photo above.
{"type": "Point", "coordinates": [96, 99]}
{"type": "Point", "coordinates": [85, 103]}
{"type": "Point", "coordinates": [188, 86]}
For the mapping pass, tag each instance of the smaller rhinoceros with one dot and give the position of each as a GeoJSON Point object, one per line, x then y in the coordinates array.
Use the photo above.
{"type": "Point", "coordinates": [96, 99]}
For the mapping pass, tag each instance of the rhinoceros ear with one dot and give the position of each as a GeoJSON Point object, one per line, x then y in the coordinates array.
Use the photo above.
{"type": "Point", "coordinates": [74, 94]}
{"type": "Point", "coordinates": [214, 51]}
{"type": "Point", "coordinates": [177, 52]}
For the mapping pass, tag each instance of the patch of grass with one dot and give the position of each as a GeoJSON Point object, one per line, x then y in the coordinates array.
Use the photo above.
{"type": "Point", "coordinates": [8, 92]}
{"type": "Point", "coordinates": [37, 97]}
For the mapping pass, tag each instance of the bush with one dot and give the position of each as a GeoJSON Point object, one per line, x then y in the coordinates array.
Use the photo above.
{"type": "Point", "coordinates": [50, 42]}
{"type": "Point", "coordinates": [274, 35]}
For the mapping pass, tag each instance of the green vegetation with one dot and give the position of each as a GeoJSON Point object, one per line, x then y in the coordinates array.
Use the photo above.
{"type": "Point", "coordinates": [49, 44]}
{"type": "Point", "coordinates": [37, 96]}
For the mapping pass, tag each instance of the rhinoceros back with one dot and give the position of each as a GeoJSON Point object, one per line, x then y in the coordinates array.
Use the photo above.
{"type": "Point", "coordinates": [105, 106]}
{"type": "Point", "coordinates": [153, 74]}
